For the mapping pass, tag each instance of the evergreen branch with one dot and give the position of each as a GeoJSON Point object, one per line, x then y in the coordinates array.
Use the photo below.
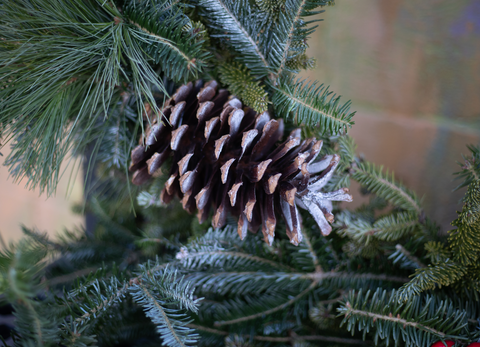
{"type": "Point", "coordinates": [421, 321]}
{"type": "Point", "coordinates": [470, 168]}
{"type": "Point", "coordinates": [173, 331]}
{"type": "Point", "coordinates": [242, 84]}
{"type": "Point", "coordinates": [190, 61]}
{"type": "Point", "coordinates": [385, 186]}
{"type": "Point", "coordinates": [234, 21]}
{"type": "Point", "coordinates": [465, 240]}
{"type": "Point", "coordinates": [354, 276]}
{"type": "Point", "coordinates": [389, 317]}
{"type": "Point", "coordinates": [70, 277]}
{"type": "Point", "coordinates": [209, 257]}
{"type": "Point", "coordinates": [306, 240]}
{"type": "Point", "coordinates": [430, 277]}
{"type": "Point", "coordinates": [291, 339]}
{"type": "Point", "coordinates": [289, 33]}
{"type": "Point", "coordinates": [105, 302]}
{"type": "Point", "coordinates": [270, 311]}
{"type": "Point", "coordinates": [436, 252]}
{"type": "Point", "coordinates": [409, 255]}
{"type": "Point", "coordinates": [290, 37]}
{"type": "Point", "coordinates": [395, 226]}
{"type": "Point", "coordinates": [313, 105]}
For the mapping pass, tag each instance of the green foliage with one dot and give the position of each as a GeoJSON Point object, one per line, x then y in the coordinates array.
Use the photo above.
{"type": "Point", "coordinates": [470, 168]}
{"type": "Point", "coordinates": [420, 322]}
{"type": "Point", "coordinates": [242, 84]}
{"type": "Point", "coordinates": [157, 293]}
{"type": "Point", "coordinates": [234, 24]}
{"type": "Point", "coordinates": [385, 186]}
{"type": "Point", "coordinates": [313, 105]}
{"type": "Point", "coordinates": [62, 62]}
{"type": "Point", "coordinates": [87, 75]}
{"type": "Point", "coordinates": [287, 43]}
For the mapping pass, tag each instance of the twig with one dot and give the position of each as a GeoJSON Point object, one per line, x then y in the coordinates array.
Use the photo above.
{"type": "Point", "coordinates": [289, 40]}
{"type": "Point", "coordinates": [71, 276]}
{"type": "Point", "coordinates": [409, 256]}
{"type": "Point", "coordinates": [318, 267]}
{"type": "Point", "coordinates": [282, 339]}
{"type": "Point", "coordinates": [239, 255]}
{"type": "Point", "coordinates": [397, 319]}
{"type": "Point", "coordinates": [278, 308]}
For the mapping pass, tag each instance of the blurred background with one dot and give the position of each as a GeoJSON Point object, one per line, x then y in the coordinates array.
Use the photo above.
{"type": "Point", "coordinates": [412, 71]}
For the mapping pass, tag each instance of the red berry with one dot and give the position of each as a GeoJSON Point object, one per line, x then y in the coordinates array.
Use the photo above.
{"type": "Point", "coordinates": [475, 344]}
{"type": "Point", "coordinates": [449, 343]}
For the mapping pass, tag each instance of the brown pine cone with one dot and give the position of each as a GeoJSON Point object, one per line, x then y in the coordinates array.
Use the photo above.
{"type": "Point", "coordinates": [227, 158]}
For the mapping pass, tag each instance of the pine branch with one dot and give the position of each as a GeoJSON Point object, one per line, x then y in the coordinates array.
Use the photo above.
{"type": "Point", "coordinates": [181, 56]}
{"type": "Point", "coordinates": [313, 105]}
{"type": "Point", "coordinates": [385, 186]}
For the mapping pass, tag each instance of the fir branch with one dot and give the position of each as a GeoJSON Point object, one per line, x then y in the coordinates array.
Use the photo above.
{"type": "Point", "coordinates": [173, 330]}
{"type": "Point", "coordinates": [470, 168]}
{"type": "Point", "coordinates": [385, 186]}
{"type": "Point", "coordinates": [192, 259]}
{"type": "Point", "coordinates": [235, 22]}
{"type": "Point", "coordinates": [409, 256]}
{"type": "Point", "coordinates": [291, 339]}
{"type": "Point", "coordinates": [465, 240]}
{"type": "Point", "coordinates": [421, 321]}
{"type": "Point", "coordinates": [270, 311]}
{"type": "Point", "coordinates": [70, 277]}
{"type": "Point", "coordinates": [389, 317]}
{"type": "Point", "coordinates": [443, 274]}
{"type": "Point", "coordinates": [436, 252]}
{"type": "Point", "coordinates": [313, 105]}
{"type": "Point", "coordinates": [290, 37]}
{"type": "Point", "coordinates": [242, 84]}
{"type": "Point", "coordinates": [306, 240]}
{"type": "Point", "coordinates": [395, 226]}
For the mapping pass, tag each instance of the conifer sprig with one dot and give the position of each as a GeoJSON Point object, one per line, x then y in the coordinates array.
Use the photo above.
{"type": "Point", "coordinates": [291, 33]}
{"type": "Point", "coordinates": [242, 84]}
{"type": "Point", "coordinates": [312, 105]}
{"type": "Point", "coordinates": [420, 322]}
{"type": "Point", "coordinates": [385, 186]}
{"type": "Point", "coordinates": [63, 61]}
{"type": "Point", "coordinates": [235, 24]}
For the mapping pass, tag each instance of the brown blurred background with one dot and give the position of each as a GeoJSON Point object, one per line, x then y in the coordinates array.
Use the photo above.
{"type": "Point", "coordinates": [412, 71]}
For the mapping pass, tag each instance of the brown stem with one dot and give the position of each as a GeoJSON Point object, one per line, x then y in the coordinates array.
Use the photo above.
{"type": "Point", "coordinates": [275, 309]}
{"type": "Point", "coordinates": [396, 319]}
{"type": "Point", "coordinates": [283, 339]}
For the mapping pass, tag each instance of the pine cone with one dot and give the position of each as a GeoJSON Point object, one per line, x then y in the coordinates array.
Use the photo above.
{"type": "Point", "coordinates": [227, 158]}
